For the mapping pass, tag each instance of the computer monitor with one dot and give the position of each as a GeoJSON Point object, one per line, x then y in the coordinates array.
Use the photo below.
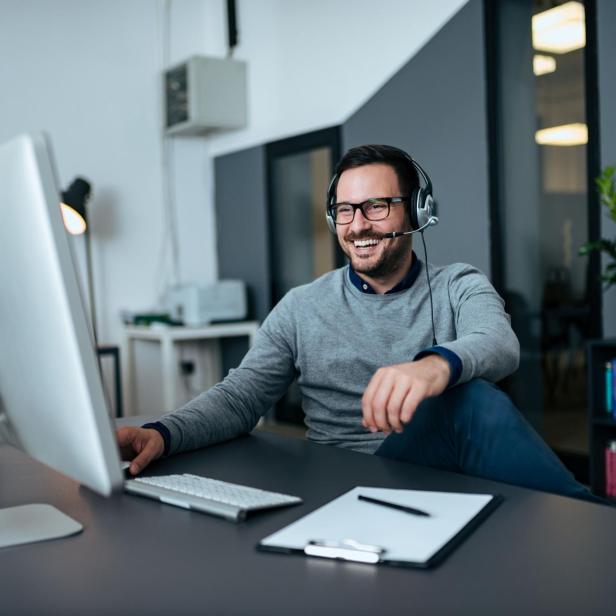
{"type": "Point", "coordinates": [52, 403]}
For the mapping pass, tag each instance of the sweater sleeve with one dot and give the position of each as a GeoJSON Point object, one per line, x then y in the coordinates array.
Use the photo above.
{"type": "Point", "coordinates": [234, 406]}
{"type": "Point", "coordinates": [485, 343]}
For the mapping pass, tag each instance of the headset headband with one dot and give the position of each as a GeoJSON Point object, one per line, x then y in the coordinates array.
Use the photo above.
{"type": "Point", "coordinates": [420, 201]}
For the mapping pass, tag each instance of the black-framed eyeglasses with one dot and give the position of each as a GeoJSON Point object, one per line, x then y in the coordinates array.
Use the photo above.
{"type": "Point", "coordinates": [371, 209]}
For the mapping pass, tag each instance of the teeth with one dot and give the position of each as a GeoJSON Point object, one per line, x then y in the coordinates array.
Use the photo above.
{"type": "Point", "coordinates": [364, 243]}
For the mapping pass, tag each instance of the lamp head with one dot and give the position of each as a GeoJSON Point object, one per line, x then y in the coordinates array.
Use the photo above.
{"type": "Point", "coordinates": [73, 206]}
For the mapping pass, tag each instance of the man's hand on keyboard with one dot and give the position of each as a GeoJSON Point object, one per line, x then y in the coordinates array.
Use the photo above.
{"type": "Point", "coordinates": [141, 445]}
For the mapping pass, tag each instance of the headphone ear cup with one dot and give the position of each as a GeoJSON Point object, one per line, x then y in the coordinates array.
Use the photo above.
{"type": "Point", "coordinates": [331, 197]}
{"type": "Point", "coordinates": [414, 208]}
{"type": "Point", "coordinates": [330, 221]}
{"type": "Point", "coordinates": [424, 208]}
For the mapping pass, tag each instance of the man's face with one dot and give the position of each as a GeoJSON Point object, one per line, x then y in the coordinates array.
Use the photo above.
{"type": "Point", "coordinates": [380, 257]}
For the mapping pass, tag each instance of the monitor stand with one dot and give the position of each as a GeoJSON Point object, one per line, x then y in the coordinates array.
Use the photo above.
{"type": "Point", "coordinates": [37, 522]}
{"type": "Point", "coordinates": [30, 523]}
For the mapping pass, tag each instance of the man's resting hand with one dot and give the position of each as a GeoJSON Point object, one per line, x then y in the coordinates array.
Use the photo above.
{"type": "Point", "coordinates": [141, 445]}
{"type": "Point", "coordinates": [395, 392]}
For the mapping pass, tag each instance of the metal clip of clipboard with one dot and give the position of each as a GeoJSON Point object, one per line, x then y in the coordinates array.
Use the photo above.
{"type": "Point", "coordinates": [348, 549]}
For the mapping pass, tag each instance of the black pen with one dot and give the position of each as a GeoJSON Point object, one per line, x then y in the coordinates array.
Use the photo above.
{"type": "Point", "coordinates": [377, 501]}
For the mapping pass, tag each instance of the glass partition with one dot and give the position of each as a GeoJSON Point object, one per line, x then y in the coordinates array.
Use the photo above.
{"type": "Point", "coordinates": [541, 208]}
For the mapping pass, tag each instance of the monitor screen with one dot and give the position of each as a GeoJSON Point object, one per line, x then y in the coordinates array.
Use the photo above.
{"type": "Point", "coordinates": [51, 394]}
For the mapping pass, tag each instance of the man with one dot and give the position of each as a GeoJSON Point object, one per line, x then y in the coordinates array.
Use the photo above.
{"type": "Point", "coordinates": [362, 341]}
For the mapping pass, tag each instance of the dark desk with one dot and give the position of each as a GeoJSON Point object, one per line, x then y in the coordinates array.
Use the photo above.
{"type": "Point", "coordinates": [536, 554]}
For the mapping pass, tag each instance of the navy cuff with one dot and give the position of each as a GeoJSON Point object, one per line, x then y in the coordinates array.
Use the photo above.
{"type": "Point", "coordinates": [163, 431]}
{"type": "Point", "coordinates": [455, 363]}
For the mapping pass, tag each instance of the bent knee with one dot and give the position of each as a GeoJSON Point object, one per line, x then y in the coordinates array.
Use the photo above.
{"type": "Point", "coordinates": [478, 393]}
{"type": "Point", "coordinates": [481, 403]}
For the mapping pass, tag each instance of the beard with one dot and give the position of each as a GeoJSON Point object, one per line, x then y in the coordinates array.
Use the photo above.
{"type": "Point", "coordinates": [392, 256]}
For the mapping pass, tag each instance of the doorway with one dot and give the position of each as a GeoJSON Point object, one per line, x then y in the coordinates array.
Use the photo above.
{"type": "Point", "coordinates": [301, 246]}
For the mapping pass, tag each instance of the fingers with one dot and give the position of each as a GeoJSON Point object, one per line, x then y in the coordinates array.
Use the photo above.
{"type": "Point", "coordinates": [395, 405]}
{"type": "Point", "coordinates": [382, 401]}
{"type": "Point", "coordinates": [150, 451]}
{"type": "Point", "coordinates": [147, 444]}
{"type": "Point", "coordinates": [367, 402]}
{"type": "Point", "coordinates": [125, 435]}
{"type": "Point", "coordinates": [125, 438]}
{"type": "Point", "coordinates": [392, 396]}
{"type": "Point", "coordinates": [387, 403]}
{"type": "Point", "coordinates": [410, 404]}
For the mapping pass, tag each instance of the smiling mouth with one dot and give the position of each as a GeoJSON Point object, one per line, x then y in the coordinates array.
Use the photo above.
{"type": "Point", "coordinates": [366, 243]}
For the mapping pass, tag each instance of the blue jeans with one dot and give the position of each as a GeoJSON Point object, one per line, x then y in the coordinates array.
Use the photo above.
{"type": "Point", "coordinates": [475, 429]}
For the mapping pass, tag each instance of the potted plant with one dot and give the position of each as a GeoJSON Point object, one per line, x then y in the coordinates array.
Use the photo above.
{"type": "Point", "coordinates": [607, 192]}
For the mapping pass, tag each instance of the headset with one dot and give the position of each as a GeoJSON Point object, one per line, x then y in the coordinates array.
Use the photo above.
{"type": "Point", "coordinates": [420, 206]}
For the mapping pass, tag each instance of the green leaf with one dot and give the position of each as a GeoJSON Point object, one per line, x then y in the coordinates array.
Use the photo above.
{"type": "Point", "coordinates": [603, 245]}
{"type": "Point", "coordinates": [606, 188]}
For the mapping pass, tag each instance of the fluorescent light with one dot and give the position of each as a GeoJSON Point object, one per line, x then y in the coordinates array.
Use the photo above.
{"type": "Point", "coordinates": [542, 65]}
{"type": "Point", "coordinates": [566, 134]}
{"type": "Point", "coordinates": [560, 29]}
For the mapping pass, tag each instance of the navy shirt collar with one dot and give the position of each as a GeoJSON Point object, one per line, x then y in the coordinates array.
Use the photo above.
{"type": "Point", "coordinates": [403, 285]}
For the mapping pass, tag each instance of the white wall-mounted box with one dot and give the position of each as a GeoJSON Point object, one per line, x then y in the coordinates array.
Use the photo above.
{"type": "Point", "coordinates": [204, 94]}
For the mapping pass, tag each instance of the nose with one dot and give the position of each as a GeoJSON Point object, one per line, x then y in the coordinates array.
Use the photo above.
{"type": "Point", "coordinates": [360, 222]}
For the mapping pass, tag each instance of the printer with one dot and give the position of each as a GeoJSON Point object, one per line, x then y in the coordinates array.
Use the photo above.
{"type": "Point", "coordinates": [195, 305]}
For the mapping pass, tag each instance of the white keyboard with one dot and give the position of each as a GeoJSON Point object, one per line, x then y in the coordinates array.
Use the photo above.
{"type": "Point", "coordinates": [228, 500]}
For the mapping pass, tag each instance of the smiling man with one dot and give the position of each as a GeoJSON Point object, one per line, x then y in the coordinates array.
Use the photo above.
{"type": "Point", "coordinates": [362, 342]}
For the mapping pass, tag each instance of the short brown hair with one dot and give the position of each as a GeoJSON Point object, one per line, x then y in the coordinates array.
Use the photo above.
{"type": "Point", "coordinates": [398, 159]}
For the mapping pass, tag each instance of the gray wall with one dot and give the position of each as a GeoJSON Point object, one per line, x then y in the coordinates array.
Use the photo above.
{"type": "Point", "coordinates": [606, 40]}
{"type": "Point", "coordinates": [518, 156]}
{"type": "Point", "coordinates": [242, 235]}
{"type": "Point", "coordinates": [242, 224]}
{"type": "Point", "coordinates": [435, 109]}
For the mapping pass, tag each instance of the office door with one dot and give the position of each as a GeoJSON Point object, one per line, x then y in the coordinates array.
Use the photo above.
{"type": "Point", "coordinates": [301, 245]}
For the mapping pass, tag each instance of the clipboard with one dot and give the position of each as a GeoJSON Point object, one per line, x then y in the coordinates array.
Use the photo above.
{"type": "Point", "coordinates": [348, 528]}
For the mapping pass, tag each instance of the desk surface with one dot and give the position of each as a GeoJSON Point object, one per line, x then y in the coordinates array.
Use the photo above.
{"type": "Point", "coordinates": [536, 554]}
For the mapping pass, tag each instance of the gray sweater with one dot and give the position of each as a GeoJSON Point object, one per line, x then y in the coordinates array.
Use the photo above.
{"type": "Point", "coordinates": [333, 338]}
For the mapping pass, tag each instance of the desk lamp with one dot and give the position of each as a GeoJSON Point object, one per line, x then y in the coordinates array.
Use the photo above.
{"type": "Point", "coordinates": [74, 214]}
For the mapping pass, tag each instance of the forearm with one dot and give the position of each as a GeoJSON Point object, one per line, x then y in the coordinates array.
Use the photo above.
{"type": "Point", "coordinates": [491, 355]}
{"type": "Point", "coordinates": [485, 343]}
{"type": "Point", "coordinates": [212, 417]}
{"type": "Point", "coordinates": [233, 407]}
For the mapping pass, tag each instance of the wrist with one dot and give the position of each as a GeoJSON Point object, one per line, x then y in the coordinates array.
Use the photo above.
{"type": "Point", "coordinates": [439, 368]}
{"type": "Point", "coordinates": [164, 434]}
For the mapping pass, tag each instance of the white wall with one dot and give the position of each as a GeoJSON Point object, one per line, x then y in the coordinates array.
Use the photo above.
{"type": "Point", "coordinates": [314, 63]}
{"type": "Point", "coordinates": [88, 72]}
